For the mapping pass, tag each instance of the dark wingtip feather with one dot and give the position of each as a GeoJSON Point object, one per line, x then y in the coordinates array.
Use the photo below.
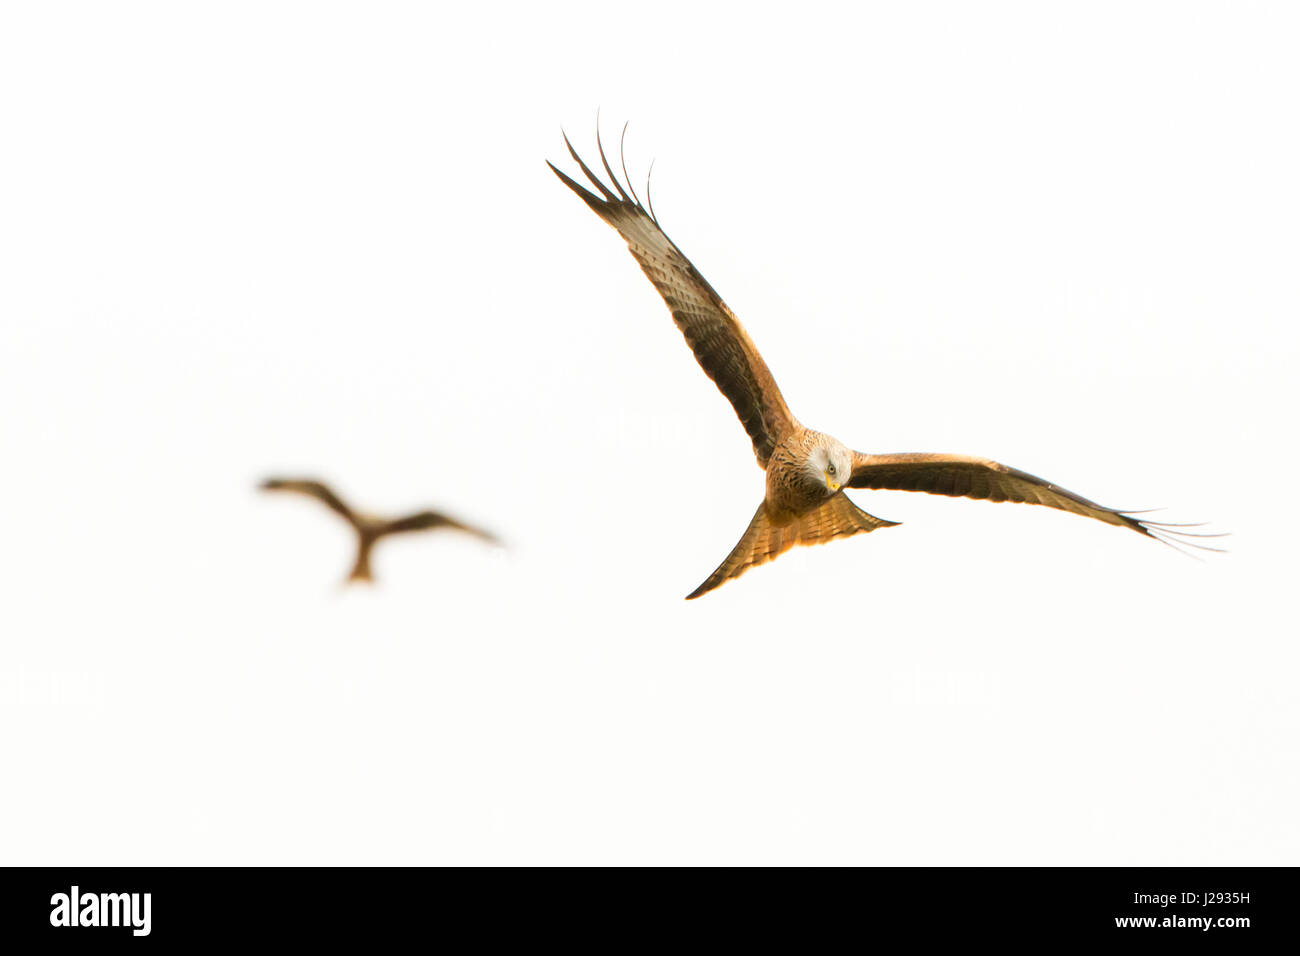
{"type": "Point", "coordinates": [605, 162]}
{"type": "Point", "coordinates": [586, 195]}
{"type": "Point", "coordinates": [587, 171]}
{"type": "Point", "coordinates": [1172, 534]}
{"type": "Point", "coordinates": [625, 197]}
{"type": "Point", "coordinates": [648, 201]}
{"type": "Point", "coordinates": [622, 159]}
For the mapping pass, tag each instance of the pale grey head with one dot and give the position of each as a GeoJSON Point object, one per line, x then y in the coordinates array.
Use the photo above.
{"type": "Point", "coordinates": [829, 464]}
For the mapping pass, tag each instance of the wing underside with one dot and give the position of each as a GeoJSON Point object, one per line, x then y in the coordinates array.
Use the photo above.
{"type": "Point", "coordinates": [720, 343]}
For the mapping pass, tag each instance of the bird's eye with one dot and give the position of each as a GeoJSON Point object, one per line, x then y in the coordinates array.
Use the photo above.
{"type": "Point", "coordinates": [831, 471]}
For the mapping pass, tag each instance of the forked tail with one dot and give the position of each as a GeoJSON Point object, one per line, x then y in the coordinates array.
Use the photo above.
{"type": "Point", "coordinates": [763, 541]}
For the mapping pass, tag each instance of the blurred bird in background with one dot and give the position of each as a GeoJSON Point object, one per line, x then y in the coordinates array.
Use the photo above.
{"type": "Point", "coordinates": [370, 528]}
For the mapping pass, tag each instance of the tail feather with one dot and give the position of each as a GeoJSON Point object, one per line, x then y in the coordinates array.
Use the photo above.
{"type": "Point", "coordinates": [763, 540]}
{"type": "Point", "coordinates": [361, 569]}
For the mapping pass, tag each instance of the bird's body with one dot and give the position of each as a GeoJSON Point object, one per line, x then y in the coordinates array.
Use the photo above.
{"type": "Point", "coordinates": [796, 482]}
{"type": "Point", "coordinates": [807, 471]}
{"type": "Point", "coordinates": [369, 528]}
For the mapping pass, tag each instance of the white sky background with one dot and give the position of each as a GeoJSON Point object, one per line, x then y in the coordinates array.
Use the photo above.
{"type": "Point", "coordinates": [245, 239]}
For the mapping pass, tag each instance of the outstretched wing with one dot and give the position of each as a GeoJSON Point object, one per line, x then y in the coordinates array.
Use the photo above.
{"type": "Point", "coordinates": [428, 520]}
{"type": "Point", "coordinates": [715, 335]}
{"type": "Point", "coordinates": [964, 476]}
{"type": "Point", "coordinates": [313, 489]}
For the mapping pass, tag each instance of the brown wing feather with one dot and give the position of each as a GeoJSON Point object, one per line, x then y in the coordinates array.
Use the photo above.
{"type": "Point", "coordinates": [429, 520]}
{"type": "Point", "coordinates": [763, 541]}
{"type": "Point", "coordinates": [720, 343]}
{"type": "Point", "coordinates": [965, 476]}
{"type": "Point", "coordinates": [312, 489]}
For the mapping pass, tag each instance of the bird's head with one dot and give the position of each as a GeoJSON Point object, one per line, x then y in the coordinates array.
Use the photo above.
{"type": "Point", "coordinates": [830, 464]}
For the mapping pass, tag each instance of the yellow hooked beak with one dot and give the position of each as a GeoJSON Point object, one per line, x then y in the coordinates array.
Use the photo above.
{"type": "Point", "coordinates": [831, 483]}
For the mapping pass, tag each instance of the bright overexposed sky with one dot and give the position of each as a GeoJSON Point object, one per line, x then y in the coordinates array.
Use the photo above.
{"type": "Point", "coordinates": [243, 239]}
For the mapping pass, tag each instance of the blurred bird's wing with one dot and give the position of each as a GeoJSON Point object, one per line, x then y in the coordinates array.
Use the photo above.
{"type": "Point", "coordinates": [429, 520]}
{"type": "Point", "coordinates": [312, 489]}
